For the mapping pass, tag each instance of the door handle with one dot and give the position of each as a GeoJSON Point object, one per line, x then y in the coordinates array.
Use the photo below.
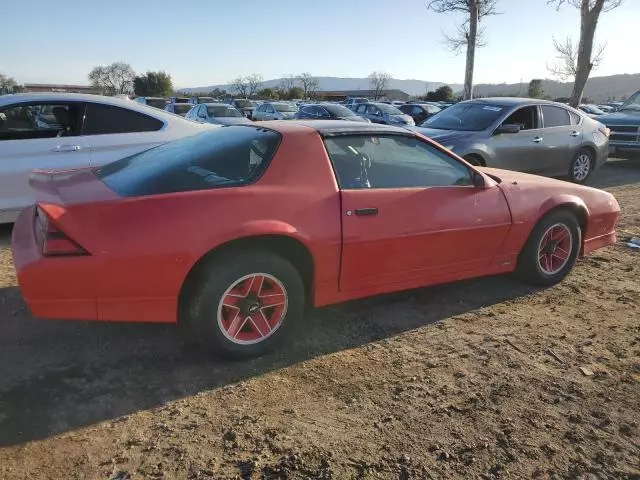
{"type": "Point", "coordinates": [574, 134]}
{"type": "Point", "coordinates": [367, 212]}
{"type": "Point", "coordinates": [66, 148]}
{"type": "Point", "coordinates": [537, 139]}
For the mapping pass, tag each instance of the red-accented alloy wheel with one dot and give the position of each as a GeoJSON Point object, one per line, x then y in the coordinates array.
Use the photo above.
{"type": "Point", "coordinates": [554, 250]}
{"type": "Point", "coordinates": [252, 308]}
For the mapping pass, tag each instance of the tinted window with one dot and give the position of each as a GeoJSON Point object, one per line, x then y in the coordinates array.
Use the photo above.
{"type": "Point", "coordinates": [102, 119]}
{"type": "Point", "coordinates": [224, 157]}
{"type": "Point", "coordinates": [312, 111]}
{"type": "Point", "coordinates": [339, 110]}
{"type": "Point", "coordinates": [392, 162]}
{"type": "Point", "coordinates": [156, 102]}
{"type": "Point", "coordinates": [182, 108]}
{"type": "Point", "coordinates": [389, 109]}
{"type": "Point", "coordinates": [285, 107]}
{"type": "Point", "coordinates": [223, 111]}
{"type": "Point", "coordinates": [466, 116]}
{"type": "Point", "coordinates": [28, 121]}
{"type": "Point", "coordinates": [555, 116]}
{"type": "Point", "coordinates": [361, 108]}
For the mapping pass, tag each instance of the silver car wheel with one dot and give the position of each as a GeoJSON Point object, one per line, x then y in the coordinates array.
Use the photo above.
{"type": "Point", "coordinates": [581, 167]}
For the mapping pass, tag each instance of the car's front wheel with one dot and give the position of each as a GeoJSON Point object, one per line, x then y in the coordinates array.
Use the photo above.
{"type": "Point", "coordinates": [551, 250]}
{"type": "Point", "coordinates": [247, 303]}
{"type": "Point", "coordinates": [581, 166]}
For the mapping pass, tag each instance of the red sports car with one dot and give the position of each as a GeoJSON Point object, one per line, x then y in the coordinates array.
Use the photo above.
{"type": "Point", "coordinates": [233, 231]}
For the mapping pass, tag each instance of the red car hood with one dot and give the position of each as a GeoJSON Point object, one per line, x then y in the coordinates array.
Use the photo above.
{"type": "Point", "coordinates": [528, 194]}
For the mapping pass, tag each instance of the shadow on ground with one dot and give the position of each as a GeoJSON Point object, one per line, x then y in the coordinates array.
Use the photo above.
{"type": "Point", "coordinates": [56, 376]}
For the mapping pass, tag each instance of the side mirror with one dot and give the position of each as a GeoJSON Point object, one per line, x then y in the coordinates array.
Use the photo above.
{"type": "Point", "coordinates": [507, 128]}
{"type": "Point", "coordinates": [477, 180]}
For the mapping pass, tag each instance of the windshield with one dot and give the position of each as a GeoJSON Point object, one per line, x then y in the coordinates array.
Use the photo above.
{"type": "Point", "coordinates": [244, 103]}
{"type": "Point", "coordinates": [388, 109]}
{"type": "Point", "coordinates": [181, 108]}
{"type": "Point", "coordinates": [285, 107]}
{"type": "Point", "coordinates": [339, 110]}
{"type": "Point", "coordinates": [633, 103]}
{"type": "Point", "coordinates": [223, 111]}
{"type": "Point", "coordinates": [472, 117]}
{"type": "Point", "coordinates": [222, 157]}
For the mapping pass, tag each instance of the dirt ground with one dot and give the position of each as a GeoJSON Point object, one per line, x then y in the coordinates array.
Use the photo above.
{"type": "Point", "coordinates": [478, 379]}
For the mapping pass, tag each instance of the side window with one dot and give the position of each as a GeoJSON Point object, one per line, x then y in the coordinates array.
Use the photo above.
{"type": "Point", "coordinates": [416, 110]}
{"type": "Point", "coordinates": [526, 117]}
{"type": "Point", "coordinates": [322, 112]}
{"type": "Point", "coordinates": [555, 116]}
{"type": "Point", "coordinates": [28, 121]}
{"type": "Point", "coordinates": [270, 109]}
{"type": "Point", "coordinates": [361, 108]}
{"type": "Point", "coordinates": [106, 119]}
{"type": "Point", "coordinates": [392, 161]}
{"type": "Point", "coordinates": [372, 110]}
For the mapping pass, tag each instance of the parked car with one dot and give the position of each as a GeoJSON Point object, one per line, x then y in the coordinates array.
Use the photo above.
{"type": "Point", "coordinates": [327, 111]}
{"type": "Point", "coordinates": [419, 111]}
{"type": "Point", "coordinates": [624, 124]}
{"type": "Point", "coordinates": [246, 106]}
{"type": "Point", "coordinates": [217, 113]}
{"type": "Point", "coordinates": [353, 102]}
{"type": "Point", "coordinates": [275, 111]}
{"type": "Point", "coordinates": [383, 113]}
{"type": "Point", "coordinates": [256, 223]}
{"type": "Point", "coordinates": [606, 108]}
{"type": "Point", "coordinates": [523, 134]}
{"type": "Point", "coordinates": [66, 130]}
{"type": "Point", "coordinates": [591, 110]}
{"type": "Point", "coordinates": [197, 100]}
{"type": "Point", "coordinates": [178, 108]}
{"type": "Point", "coordinates": [157, 102]}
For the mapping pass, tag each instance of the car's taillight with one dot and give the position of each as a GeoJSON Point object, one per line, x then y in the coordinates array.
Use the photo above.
{"type": "Point", "coordinates": [605, 131]}
{"type": "Point", "coordinates": [54, 242]}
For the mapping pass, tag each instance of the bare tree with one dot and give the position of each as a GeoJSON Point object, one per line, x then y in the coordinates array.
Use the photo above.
{"type": "Point", "coordinates": [113, 79]}
{"type": "Point", "coordinates": [309, 84]}
{"type": "Point", "coordinates": [287, 82]}
{"type": "Point", "coordinates": [254, 82]}
{"type": "Point", "coordinates": [7, 82]}
{"type": "Point", "coordinates": [240, 86]}
{"type": "Point", "coordinates": [379, 82]}
{"type": "Point", "coordinates": [578, 62]}
{"type": "Point", "coordinates": [468, 35]}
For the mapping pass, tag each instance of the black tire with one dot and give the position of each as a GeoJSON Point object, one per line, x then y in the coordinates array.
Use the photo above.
{"type": "Point", "coordinates": [530, 263]}
{"type": "Point", "coordinates": [206, 317]}
{"type": "Point", "coordinates": [581, 166]}
{"type": "Point", "coordinates": [474, 160]}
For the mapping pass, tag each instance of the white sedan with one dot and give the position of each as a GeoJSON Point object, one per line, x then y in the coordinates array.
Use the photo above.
{"type": "Point", "coordinates": [66, 130]}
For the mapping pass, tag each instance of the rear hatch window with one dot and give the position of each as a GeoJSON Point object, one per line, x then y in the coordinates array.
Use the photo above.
{"type": "Point", "coordinates": [222, 157]}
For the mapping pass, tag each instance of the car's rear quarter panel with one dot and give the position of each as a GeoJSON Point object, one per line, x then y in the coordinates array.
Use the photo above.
{"type": "Point", "coordinates": [147, 246]}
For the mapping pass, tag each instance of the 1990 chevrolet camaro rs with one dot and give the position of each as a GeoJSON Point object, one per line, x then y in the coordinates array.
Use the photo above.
{"type": "Point", "coordinates": [233, 231]}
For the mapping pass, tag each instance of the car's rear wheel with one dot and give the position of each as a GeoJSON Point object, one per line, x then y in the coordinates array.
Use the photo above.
{"type": "Point", "coordinates": [551, 250]}
{"type": "Point", "coordinates": [247, 303]}
{"type": "Point", "coordinates": [581, 166]}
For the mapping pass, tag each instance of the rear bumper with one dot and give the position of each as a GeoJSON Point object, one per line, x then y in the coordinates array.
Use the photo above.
{"type": "Point", "coordinates": [52, 287]}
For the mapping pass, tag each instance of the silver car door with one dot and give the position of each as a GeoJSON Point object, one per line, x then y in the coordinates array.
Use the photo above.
{"type": "Point", "coordinates": [562, 140]}
{"type": "Point", "coordinates": [518, 151]}
{"type": "Point", "coordinates": [42, 136]}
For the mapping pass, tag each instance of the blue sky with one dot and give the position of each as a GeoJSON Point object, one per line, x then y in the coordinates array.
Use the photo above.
{"type": "Point", "coordinates": [207, 42]}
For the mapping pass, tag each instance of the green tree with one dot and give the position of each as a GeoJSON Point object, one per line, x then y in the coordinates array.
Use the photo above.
{"type": "Point", "coordinates": [268, 93]}
{"type": "Point", "coordinates": [153, 84]}
{"type": "Point", "coordinates": [113, 79]}
{"type": "Point", "coordinates": [295, 92]}
{"type": "Point", "coordinates": [442, 94]}
{"type": "Point", "coordinates": [535, 89]}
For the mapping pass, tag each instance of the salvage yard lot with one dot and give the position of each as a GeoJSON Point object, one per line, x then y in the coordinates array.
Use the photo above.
{"type": "Point", "coordinates": [478, 378]}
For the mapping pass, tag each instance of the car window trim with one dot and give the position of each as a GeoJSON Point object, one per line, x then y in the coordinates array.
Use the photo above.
{"type": "Point", "coordinates": [360, 133]}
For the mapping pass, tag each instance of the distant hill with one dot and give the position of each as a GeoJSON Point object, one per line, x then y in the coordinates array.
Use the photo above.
{"type": "Point", "coordinates": [412, 87]}
{"type": "Point", "coordinates": [598, 89]}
